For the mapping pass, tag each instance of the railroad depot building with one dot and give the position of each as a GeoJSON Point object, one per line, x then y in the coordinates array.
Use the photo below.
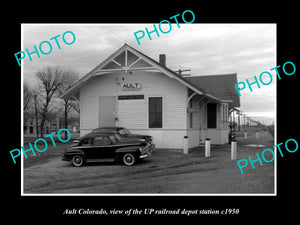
{"type": "Point", "coordinates": [132, 90]}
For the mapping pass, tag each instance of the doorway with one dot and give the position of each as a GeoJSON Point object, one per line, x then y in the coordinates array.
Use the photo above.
{"type": "Point", "coordinates": [107, 109]}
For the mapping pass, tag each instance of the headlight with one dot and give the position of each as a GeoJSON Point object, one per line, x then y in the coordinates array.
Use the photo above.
{"type": "Point", "coordinates": [142, 139]}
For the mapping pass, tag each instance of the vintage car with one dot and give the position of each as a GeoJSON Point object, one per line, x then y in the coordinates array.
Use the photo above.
{"type": "Point", "coordinates": [100, 147]}
{"type": "Point", "coordinates": [124, 133]}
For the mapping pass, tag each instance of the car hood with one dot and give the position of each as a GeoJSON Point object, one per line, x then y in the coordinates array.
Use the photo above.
{"type": "Point", "coordinates": [131, 141]}
{"type": "Point", "coordinates": [71, 146]}
{"type": "Point", "coordinates": [138, 136]}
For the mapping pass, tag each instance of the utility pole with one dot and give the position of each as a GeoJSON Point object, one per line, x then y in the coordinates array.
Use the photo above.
{"type": "Point", "coordinates": [250, 127]}
{"type": "Point", "coordinates": [181, 70]}
{"type": "Point", "coordinates": [248, 123]}
{"type": "Point", "coordinates": [233, 123]}
{"type": "Point", "coordinates": [244, 122]}
{"type": "Point", "coordinates": [239, 113]}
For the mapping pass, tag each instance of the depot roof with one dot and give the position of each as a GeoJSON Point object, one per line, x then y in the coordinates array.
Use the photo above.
{"type": "Point", "coordinates": [194, 83]}
{"type": "Point", "coordinates": [221, 86]}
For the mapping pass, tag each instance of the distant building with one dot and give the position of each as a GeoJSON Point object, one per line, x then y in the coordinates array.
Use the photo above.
{"type": "Point", "coordinates": [131, 89]}
{"type": "Point", "coordinates": [50, 126]}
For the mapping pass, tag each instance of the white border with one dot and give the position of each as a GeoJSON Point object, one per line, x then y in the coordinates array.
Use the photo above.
{"type": "Point", "coordinates": [275, 125]}
{"type": "Point", "coordinates": [22, 117]}
{"type": "Point", "coordinates": [144, 194]}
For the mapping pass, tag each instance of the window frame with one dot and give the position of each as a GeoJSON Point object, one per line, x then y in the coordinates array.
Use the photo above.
{"type": "Point", "coordinates": [103, 144]}
{"type": "Point", "coordinates": [211, 124]}
{"type": "Point", "coordinates": [191, 106]}
{"type": "Point", "coordinates": [89, 140]}
{"type": "Point", "coordinates": [150, 123]}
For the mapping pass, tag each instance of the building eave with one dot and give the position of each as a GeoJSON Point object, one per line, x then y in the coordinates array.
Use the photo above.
{"type": "Point", "coordinates": [69, 94]}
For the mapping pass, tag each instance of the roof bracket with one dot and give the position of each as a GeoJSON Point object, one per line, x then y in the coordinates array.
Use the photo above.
{"type": "Point", "coordinates": [189, 98]}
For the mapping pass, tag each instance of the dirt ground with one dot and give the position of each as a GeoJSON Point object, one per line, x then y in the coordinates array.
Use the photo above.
{"type": "Point", "coordinates": [167, 171]}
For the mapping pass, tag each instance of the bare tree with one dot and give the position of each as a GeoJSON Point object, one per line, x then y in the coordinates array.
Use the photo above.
{"type": "Point", "coordinates": [27, 96]}
{"type": "Point", "coordinates": [27, 103]}
{"type": "Point", "coordinates": [36, 110]}
{"type": "Point", "coordinates": [49, 81]}
{"type": "Point", "coordinates": [75, 106]}
{"type": "Point", "coordinates": [68, 78]}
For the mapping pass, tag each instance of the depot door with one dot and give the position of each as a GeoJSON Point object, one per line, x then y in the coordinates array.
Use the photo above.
{"type": "Point", "coordinates": [107, 111]}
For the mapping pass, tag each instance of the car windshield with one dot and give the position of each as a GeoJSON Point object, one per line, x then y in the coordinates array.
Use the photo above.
{"type": "Point", "coordinates": [124, 131]}
{"type": "Point", "coordinates": [127, 131]}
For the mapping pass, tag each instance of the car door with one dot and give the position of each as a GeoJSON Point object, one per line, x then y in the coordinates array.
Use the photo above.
{"type": "Point", "coordinates": [102, 148]}
{"type": "Point", "coordinates": [87, 147]}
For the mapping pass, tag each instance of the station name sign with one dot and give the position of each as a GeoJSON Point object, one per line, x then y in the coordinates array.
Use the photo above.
{"type": "Point", "coordinates": [131, 87]}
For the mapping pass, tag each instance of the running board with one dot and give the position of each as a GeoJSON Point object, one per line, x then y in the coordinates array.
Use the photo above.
{"type": "Point", "coordinates": [100, 160]}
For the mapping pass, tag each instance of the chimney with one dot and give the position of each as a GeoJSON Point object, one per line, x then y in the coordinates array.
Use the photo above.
{"type": "Point", "coordinates": [162, 59]}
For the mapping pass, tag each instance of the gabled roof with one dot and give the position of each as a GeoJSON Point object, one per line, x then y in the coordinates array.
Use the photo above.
{"type": "Point", "coordinates": [221, 86]}
{"type": "Point", "coordinates": [114, 63]}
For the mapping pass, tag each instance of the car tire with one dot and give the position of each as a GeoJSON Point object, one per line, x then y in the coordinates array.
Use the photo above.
{"type": "Point", "coordinates": [77, 160]}
{"type": "Point", "coordinates": [129, 159]}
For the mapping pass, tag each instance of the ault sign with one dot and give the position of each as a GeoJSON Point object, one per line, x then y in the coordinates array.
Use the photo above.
{"type": "Point", "coordinates": [132, 87]}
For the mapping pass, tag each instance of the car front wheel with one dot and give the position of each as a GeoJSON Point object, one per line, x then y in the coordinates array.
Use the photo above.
{"type": "Point", "coordinates": [129, 159]}
{"type": "Point", "coordinates": [77, 160]}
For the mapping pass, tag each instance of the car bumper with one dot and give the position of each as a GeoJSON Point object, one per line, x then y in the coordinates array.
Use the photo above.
{"type": "Point", "coordinates": [148, 151]}
{"type": "Point", "coordinates": [66, 157]}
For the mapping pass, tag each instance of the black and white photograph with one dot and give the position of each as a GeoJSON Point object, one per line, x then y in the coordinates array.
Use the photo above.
{"type": "Point", "coordinates": [121, 112]}
{"type": "Point", "coordinates": [159, 116]}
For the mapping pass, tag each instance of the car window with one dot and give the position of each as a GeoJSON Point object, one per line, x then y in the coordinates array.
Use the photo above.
{"type": "Point", "coordinates": [127, 131]}
{"type": "Point", "coordinates": [113, 138]}
{"type": "Point", "coordinates": [118, 137]}
{"type": "Point", "coordinates": [86, 142]}
{"type": "Point", "coordinates": [101, 141]}
{"type": "Point", "coordinates": [122, 131]}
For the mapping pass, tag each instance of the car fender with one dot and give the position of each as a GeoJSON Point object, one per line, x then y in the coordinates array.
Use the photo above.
{"type": "Point", "coordinates": [74, 151]}
{"type": "Point", "coordinates": [70, 153]}
{"type": "Point", "coordinates": [128, 149]}
{"type": "Point", "coordinates": [119, 152]}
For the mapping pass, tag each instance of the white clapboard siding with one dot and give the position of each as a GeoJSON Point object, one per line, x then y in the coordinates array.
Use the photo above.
{"type": "Point", "coordinates": [132, 113]}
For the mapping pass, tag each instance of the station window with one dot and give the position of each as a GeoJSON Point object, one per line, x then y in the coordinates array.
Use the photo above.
{"type": "Point", "coordinates": [130, 97]}
{"type": "Point", "coordinates": [155, 112]}
{"type": "Point", "coordinates": [211, 115]}
{"type": "Point", "coordinates": [191, 103]}
{"type": "Point", "coordinates": [191, 120]}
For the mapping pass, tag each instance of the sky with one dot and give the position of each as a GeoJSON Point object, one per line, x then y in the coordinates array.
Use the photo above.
{"type": "Point", "coordinates": [205, 49]}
